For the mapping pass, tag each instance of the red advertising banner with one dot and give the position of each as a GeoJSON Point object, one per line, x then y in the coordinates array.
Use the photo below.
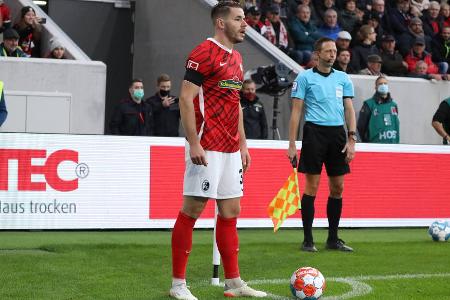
{"type": "Point", "coordinates": [381, 184]}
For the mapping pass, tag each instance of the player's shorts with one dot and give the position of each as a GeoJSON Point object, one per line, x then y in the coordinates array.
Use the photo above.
{"type": "Point", "coordinates": [221, 179]}
{"type": "Point", "coordinates": [323, 145]}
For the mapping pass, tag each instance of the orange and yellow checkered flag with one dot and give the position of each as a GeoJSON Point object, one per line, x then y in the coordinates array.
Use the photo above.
{"type": "Point", "coordinates": [286, 202]}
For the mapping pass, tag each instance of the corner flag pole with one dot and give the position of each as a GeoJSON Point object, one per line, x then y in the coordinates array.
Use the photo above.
{"type": "Point", "coordinates": [216, 254]}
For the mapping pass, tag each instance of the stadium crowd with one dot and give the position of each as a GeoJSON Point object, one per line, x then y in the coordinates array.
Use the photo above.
{"type": "Point", "coordinates": [23, 39]}
{"type": "Point", "coordinates": [391, 37]}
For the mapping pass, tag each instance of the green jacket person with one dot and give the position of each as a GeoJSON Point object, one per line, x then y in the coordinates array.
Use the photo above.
{"type": "Point", "coordinates": [378, 119]}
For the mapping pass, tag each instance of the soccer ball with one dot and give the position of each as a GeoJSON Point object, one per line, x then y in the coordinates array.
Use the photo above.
{"type": "Point", "coordinates": [439, 231]}
{"type": "Point", "coordinates": [307, 283]}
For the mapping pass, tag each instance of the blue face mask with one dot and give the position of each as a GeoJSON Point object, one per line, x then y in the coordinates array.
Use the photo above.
{"type": "Point", "coordinates": [138, 94]}
{"type": "Point", "coordinates": [383, 89]}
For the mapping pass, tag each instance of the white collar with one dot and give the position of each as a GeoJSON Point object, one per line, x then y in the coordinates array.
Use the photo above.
{"type": "Point", "coordinates": [220, 45]}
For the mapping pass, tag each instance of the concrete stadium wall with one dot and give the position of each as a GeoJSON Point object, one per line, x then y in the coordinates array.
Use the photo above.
{"type": "Point", "coordinates": [167, 30]}
{"type": "Point", "coordinates": [81, 82]}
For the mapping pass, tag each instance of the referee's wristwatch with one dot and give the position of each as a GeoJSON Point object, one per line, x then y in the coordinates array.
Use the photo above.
{"type": "Point", "coordinates": [352, 135]}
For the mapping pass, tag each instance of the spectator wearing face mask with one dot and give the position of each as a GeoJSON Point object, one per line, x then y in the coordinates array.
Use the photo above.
{"type": "Point", "coordinates": [132, 116]}
{"type": "Point", "coordinates": [165, 108]}
{"type": "Point", "coordinates": [255, 122]}
{"type": "Point", "coordinates": [378, 120]}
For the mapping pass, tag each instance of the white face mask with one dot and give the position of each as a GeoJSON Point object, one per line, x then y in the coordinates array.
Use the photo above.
{"type": "Point", "coordinates": [383, 89]}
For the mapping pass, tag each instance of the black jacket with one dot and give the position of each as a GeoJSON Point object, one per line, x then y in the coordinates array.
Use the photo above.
{"type": "Point", "coordinates": [131, 118]}
{"type": "Point", "coordinates": [166, 120]}
{"type": "Point", "coordinates": [255, 122]}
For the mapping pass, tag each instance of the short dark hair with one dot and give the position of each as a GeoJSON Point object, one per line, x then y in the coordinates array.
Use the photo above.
{"type": "Point", "coordinates": [380, 77]}
{"type": "Point", "coordinates": [136, 80]}
{"type": "Point", "coordinates": [318, 44]}
{"type": "Point", "coordinates": [222, 9]}
{"type": "Point", "coordinates": [247, 81]}
{"type": "Point", "coordinates": [162, 78]}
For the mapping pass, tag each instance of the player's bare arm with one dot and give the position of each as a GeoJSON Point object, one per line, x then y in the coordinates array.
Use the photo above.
{"type": "Point", "coordinates": [245, 155]}
{"type": "Point", "coordinates": [296, 113]}
{"type": "Point", "coordinates": [188, 92]}
{"type": "Point", "coordinates": [350, 120]}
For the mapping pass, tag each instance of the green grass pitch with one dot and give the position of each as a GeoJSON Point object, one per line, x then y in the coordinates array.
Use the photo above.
{"type": "Point", "coordinates": [386, 264]}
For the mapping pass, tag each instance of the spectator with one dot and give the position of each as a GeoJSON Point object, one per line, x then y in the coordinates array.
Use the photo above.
{"type": "Point", "coordinates": [421, 71]}
{"type": "Point", "coordinates": [304, 34]}
{"type": "Point", "coordinates": [293, 8]}
{"type": "Point", "coordinates": [393, 63]}
{"type": "Point", "coordinates": [441, 121]}
{"type": "Point", "coordinates": [330, 28]}
{"type": "Point", "coordinates": [374, 63]}
{"type": "Point", "coordinates": [432, 22]}
{"type": "Point", "coordinates": [165, 109]}
{"type": "Point", "coordinates": [274, 29]}
{"type": "Point", "coordinates": [255, 122]}
{"type": "Point", "coordinates": [378, 9]}
{"type": "Point", "coordinates": [57, 50]}
{"type": "Point", "coordinates": [440, 47]}
{"type": "Point", "coordinates": [350, 17]}
{"type": "Point", "coordinates": [253, 18]}
{"type": "Point", "coordinates": [363, 50]}
{"type": "Point", "coordinates": [418, 6]}
{"type": "Point", "coordinates": [5, 16]}
{"type": "Point", "coordinates": [445, 13]}
{"type": "Point", "coordinates": [132, 116]}
{"type": "Point", "coordinates": [399, 18]}
{"type": "Point", "coordinates": [378, 119]}
{"type": "Point", "coordinates": [373, 20]}
{"type": "Point", "coordinates": [407, 39]}
{"type": "Point", "coordinates": [321, 8]}
{"type": "Point", "coordinates": [418, 53]}
{"type": "Point", "coordinates": [10, 46]}
{"type": "Point", "coordinates": [246, 4]}
{"type": "Point", "coordinates": [3, 111]}
{"type": "Point", "coordinates": [342, 62]}
{"type": "Point", "coordinates": [343, 41]}
{"type": "Point", "coordinates": [29, 30]}
{"type": "Point", "coordinates": [313, 62]}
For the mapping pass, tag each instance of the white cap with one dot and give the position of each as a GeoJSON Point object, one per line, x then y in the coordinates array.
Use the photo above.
{"type": "Point", "coordinates": [344, 35]}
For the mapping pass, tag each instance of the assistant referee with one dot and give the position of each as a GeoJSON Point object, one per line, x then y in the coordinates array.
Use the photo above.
{"type": "Point", "coordinates": [325, 95]}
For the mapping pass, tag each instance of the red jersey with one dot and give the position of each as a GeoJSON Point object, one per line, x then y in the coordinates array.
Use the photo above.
{"type": "Point", "coordinates": [219, 73]}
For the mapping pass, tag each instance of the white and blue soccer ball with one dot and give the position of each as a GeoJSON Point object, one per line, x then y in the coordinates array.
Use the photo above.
{"type": "Point", "coordinates": [439, 231]}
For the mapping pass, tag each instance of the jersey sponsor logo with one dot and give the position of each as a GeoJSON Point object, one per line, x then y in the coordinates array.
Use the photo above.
{"type": "Point", "coordinates": [205, 185]}
{"type": "Point", "coordinates": [192, 65]}
{"type": "Point", "coordinates": [230, 84]}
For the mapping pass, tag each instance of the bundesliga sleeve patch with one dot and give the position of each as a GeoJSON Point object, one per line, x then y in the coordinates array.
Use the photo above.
{"type": "Point", "coordinates": [192, 65]}
{"type": "Point", "coordinates": [294, 86]}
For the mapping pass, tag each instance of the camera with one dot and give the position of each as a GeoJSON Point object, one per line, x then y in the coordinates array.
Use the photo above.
{"type": "Point", "coordinates": [43, 21]}
{"type": "Point", "coordinates": [273, 78]}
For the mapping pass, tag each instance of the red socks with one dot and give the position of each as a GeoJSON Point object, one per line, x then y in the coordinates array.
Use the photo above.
{"type": "Point", "coordinates": [228, 244]}
{"type": "Point", "coordinates": [181, 244]}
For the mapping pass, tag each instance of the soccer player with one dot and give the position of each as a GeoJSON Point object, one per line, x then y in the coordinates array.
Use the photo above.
{"type": "Point", "coordinates": [216, 148]}
{"type": "Point", "coordinates": [325, 95]}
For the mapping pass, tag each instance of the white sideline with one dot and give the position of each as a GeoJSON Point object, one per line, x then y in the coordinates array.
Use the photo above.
{"type": "Point", "coordinates": [359, 288]}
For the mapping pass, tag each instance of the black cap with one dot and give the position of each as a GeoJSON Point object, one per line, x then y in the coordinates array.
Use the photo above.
{"type": "Point", "coordinates": [10, 33]}
{"type": "Point", "coordinates": [254, 11]}
{"type": "Point", "coordinates": [387, 38]}
{"type": "Point", "coordinates": [419, 41]}
{"type": "Point", "coordinates": [275, 9]}
{"type": "Point", "coordinates": [374, 58]}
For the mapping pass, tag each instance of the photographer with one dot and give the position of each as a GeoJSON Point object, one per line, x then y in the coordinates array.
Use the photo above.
{"type": "Point", "coordinates": [29, 28]}
{"type": "Point", "coordinates": [166, 110]}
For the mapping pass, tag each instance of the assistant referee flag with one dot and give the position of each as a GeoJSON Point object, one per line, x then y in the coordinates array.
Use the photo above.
{"type": "Point", "coordinates": [286, 202]}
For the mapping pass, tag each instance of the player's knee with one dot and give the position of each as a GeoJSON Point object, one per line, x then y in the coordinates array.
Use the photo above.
{"type": "Point", "coordinates": [230, 212]}
{"type": "Point", "coordinates": [336, 190]}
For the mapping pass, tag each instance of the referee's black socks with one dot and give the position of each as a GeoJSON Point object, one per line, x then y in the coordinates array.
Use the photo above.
{"type": "Point", "coordinates": [307, 216]}
{"type": "Point", "coordinates": [334, 210]}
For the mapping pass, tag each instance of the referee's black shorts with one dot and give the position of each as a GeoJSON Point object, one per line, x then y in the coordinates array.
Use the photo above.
{"type": "Point", "coordinates": [323, 145]}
